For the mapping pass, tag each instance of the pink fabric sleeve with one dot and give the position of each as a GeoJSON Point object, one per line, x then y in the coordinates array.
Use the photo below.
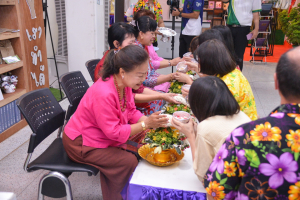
{"type": "Point", "coordinates": [133, 114]}
{"type": "Point", "coordinates": [154, 57]}
{"type": "Point", "coordinates": [106, 113]}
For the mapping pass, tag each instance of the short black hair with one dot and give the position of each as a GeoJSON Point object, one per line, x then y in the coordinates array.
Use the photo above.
{"type": "Point", "coordinates": [214, 58]}
{"type": "Point", "coordinates": [118, 31]}
{"type": "Point", "coordinates": [210, 96]}
{"type": "Point", "coordinates": [228, 40]}
{"type": "Point", "coordinates": [145, 24]}
{"type": "Point", "coordinates": [288, 76]}
{"type": "Point", "coordinates": [209, 35]}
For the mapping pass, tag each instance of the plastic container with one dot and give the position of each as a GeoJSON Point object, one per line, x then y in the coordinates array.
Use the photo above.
{"type": "Point", "coordinates": [182, 116]}
{"type": "Point", "coordinates": [187, 54]}
{"type": "Point", "coordinates": [181, 67]}
{"type": "Point", "coordinates": [186, 87]}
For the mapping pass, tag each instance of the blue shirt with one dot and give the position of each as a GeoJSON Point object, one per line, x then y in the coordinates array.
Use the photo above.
{"type": "Point", "coordinates": [192, 26]}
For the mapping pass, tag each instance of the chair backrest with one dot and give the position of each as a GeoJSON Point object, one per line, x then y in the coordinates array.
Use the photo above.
{"type": "Point", "coordinates": [43, 114]}
{"type": "Point", "coordinates": [91, 66]}
{"type": "Point", "coordinates": [75, 86]}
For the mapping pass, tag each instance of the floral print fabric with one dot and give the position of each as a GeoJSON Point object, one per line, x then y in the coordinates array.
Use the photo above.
{"type": "Point", "coordinates": [259, 160]}
{"type": "Point", "coordinates": [242, 92]}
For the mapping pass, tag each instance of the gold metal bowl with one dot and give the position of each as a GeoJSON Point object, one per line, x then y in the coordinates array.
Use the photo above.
{"type": "Point", "coordinates": [147, 153]}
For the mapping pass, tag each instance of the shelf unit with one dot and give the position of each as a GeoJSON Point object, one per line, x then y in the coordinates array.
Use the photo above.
{"type": "Point", "coordinates": [15, 14]}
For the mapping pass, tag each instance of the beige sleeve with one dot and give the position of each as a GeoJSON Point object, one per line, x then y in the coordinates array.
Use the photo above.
{"type": "Point", "coordinates": [203, 156]}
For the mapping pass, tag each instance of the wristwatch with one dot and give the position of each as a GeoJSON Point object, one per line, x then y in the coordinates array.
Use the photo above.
{"type": "Point", "coordinates": [180, 14]}
{"type": "Point", "coordinates": [143, 125]}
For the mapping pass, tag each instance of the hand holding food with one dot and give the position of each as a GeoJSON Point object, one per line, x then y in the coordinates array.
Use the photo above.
{"type": "Point", "coordinates": [170, 97]}
{"type": "Point", "coordinates": [156, 120]}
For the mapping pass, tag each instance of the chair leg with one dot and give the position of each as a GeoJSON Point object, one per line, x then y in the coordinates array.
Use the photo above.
{"type": "Point", "coordinates": [62, 178]}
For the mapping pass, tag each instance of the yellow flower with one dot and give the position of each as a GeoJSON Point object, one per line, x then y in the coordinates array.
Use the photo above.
{"type": "Point", "coordinates": [154, 137]}
{"type": "Point", "coordinates": [172, 84]}
{"type": "Point", "coordinates": [297, 117]}
{"type": "Point", "coordinates": [215, 190]}
{"type": "Point", "coordinates": [265, 133]}
{"type": "Point", "coordinates": [164, 138]}
{"type": "Point", "coordinates": [179, 87]}
{"type": "Point", "coordinates": [294, 192]}
{"type": "Point", "coordinates": [158, 5]}
{"type": "Point", "coordinates": [230, 169]}
{"type": "Point", "coordinates": [294, 140]}
{"type": "Point", "coordinates": [241, 173]}
{"type": "Point", "coordinates": [168, 108]}
{"type": "Point", "coordinates": [175, 135]}
{"type": "Point", "coordinates": [142, 3]}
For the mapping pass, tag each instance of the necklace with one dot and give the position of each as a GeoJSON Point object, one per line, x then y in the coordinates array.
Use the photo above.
{"type": "Point", "coordinates": [123, 107]}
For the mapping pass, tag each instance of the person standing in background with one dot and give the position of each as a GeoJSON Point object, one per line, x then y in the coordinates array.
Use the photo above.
{"type": "Point", "coordinates": [191, 24]}
{"type": "Point", "coordinates": [239, 20]}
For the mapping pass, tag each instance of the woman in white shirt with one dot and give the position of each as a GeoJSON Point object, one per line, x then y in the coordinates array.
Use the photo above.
{"type": "Point", "coordinates": [218, 114]}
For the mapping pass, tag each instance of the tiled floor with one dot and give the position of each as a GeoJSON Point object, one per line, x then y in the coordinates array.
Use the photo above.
{"type": "Point", "coordinates": [13, 150]}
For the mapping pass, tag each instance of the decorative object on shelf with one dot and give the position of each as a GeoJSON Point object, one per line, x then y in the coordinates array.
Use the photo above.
{"type": "Point", "coordinates": [6, 30]}
{"type": "Point", "coordinates": [1, 95]}
{"type": "Point", "coordinates": [147, 153]}
{"type": "Point", "coordinates": [218, 4]}
{"type": "Point", "coordinates": [211, 4]}
{"type": "Point", "coordinates": [6, 49]}
{"type": "Point", "coordinates": [9, 83]}
{"type": "Point", "coordinates": [11, 59]}
{"type": "Point", "coordinates": [166, 138]}
{"type": "Point", "coordinates": [30, 4]}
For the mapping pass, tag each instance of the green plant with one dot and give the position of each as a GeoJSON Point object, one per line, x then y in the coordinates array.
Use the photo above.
{"type": "Point", "coordinates": [290, 24]}
{"type": "Point", "coordinates": [284, 20]}
{"type": "Point", "coordinates": [166, 138]}
{"type": "Point", "coordinates": [293, 31]}
{"type": "Point", "coordinates": [171, 108]}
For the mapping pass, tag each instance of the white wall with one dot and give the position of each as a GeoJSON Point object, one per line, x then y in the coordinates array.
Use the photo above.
{"type": "Point", "coordinates": [85, 32]}
{"type": "Point", "coordinates": [62, 66]}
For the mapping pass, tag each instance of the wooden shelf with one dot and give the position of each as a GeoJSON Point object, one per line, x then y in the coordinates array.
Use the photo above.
{"type": "Point", "coordinates": [9, 35]}
{"type": "Point", "coordinates": [7, 2]}
{"type": "Point", "coordinates": [12, 96]}
{"type": "Point", "coordinates": [9, 67]}
{"type": "Point", "coordinates": [12, 130]}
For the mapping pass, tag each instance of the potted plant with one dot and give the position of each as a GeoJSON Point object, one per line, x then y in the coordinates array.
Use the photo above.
{"type": "Point", "coordinates": [164, 139]}
{"type": "Point", "coordinates": [290, 24]}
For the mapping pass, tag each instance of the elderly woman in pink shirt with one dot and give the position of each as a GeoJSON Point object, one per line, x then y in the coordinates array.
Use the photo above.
{"type": "Point", "coordinates": [105, 119]}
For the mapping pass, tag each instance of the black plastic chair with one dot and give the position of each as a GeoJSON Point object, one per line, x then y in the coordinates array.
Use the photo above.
{"type": "Point", "coordinates": [44, 115]}
{"type": "Point", "coordinates": [74, 86]}
{"type": "Point", "coordinates": [91, 66]}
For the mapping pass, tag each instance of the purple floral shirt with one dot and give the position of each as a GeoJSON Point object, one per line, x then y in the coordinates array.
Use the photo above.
{"type": "Point", "coordinates": [259, 160]}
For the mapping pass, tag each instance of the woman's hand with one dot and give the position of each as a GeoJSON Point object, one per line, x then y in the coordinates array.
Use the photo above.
{"type": "Point", "coordinates": [184, 92]}
{"type": "Point", "coordinates": [187, 129]}
{"type": "Point", "coordinates": [169, 97]}
{"type": "Point", "coordinates": [193, 66]}
{"type": "Point", "coordinates": [175, 61]}
{"type": "Point", "coordinates": [188, 59]}
{"type": "Point", "coordinates": [155, 120]}
{"type": "Point", "coordinates": [181, 77]}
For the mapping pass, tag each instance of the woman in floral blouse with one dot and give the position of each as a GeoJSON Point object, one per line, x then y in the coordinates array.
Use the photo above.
{"type": "Point", "coordinates": [215, 60]}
